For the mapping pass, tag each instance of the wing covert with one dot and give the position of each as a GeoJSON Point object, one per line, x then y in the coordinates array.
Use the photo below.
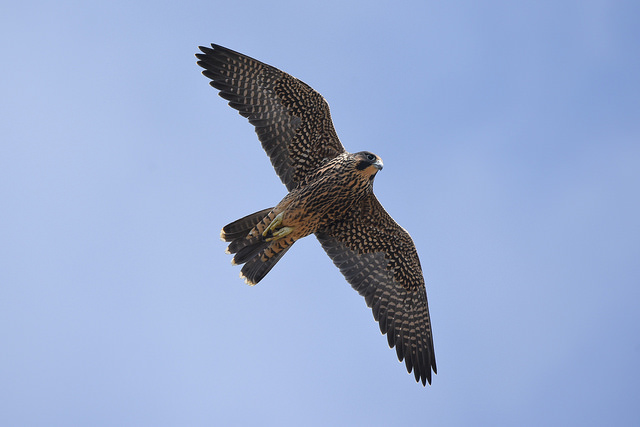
{"type": "Point", "coordinates": [378, 258]}
{"type": "Point", "coordinates": [292, 120]}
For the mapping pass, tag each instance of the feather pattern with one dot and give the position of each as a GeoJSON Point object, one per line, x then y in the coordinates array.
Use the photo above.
{"type": "Point", "coordinates": [379, 260]}
{"type": "Point", "coordinates": [331, 195]}
{"type": "Point", "coordinates": [292, 120]}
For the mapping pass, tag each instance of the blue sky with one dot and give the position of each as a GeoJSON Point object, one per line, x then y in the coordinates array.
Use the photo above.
{"type": "Point", "coordinates": [510, 133]}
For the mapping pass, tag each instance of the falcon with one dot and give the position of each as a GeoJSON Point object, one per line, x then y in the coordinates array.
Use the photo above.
{"type": "Point", "coordinates": [330, 194]}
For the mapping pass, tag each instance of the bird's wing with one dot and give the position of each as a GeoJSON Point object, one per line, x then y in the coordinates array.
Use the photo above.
{"type": "Point", "coordinates": [378, 258]}
{"type": "Point", "coordinates": [291, 119]}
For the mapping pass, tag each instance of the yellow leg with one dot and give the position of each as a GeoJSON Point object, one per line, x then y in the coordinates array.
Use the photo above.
{"type": "Point", "coordinates": [274, 228]}
{"type": "Point", "coordinates": [282, 232]}
{"type": "Point", "coordinates": [277, 221]}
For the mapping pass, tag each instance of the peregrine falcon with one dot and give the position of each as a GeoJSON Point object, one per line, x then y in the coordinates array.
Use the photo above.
{"type": "Point", "coordinates": [330, 195]}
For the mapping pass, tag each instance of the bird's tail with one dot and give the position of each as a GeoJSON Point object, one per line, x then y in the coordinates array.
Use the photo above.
{"type": "Point", "coordinates": [251, 248]}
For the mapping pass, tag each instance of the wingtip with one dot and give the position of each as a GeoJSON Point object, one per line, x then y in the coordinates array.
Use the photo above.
{"type": "Point", "coordinates": [216, 48]}
{"type": "Point", "coordinates": [426, 377]}
{"type": "Point", "coordinates": [206, 49]}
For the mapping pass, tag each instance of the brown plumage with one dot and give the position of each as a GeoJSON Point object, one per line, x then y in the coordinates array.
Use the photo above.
{"type": "Point", "coordinates": [330, 195]}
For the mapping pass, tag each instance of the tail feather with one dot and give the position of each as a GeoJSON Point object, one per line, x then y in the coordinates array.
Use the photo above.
{"type": "Point", "coordinates": [241, 243]}
{"type": "Point", "coordinates": [251, 247]}
{"type": "Point", "coordinates": [256, 268]}
{"type": "Point", "coordinates": [252, 250]}
{"type": "Point", "coordinates": [241, 227]}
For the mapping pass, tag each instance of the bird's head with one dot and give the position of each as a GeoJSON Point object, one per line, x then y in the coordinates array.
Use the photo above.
{"type": "Point", "coordinates": [367, 163]}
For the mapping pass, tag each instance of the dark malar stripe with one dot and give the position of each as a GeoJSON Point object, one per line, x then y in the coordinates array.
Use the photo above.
{"type": "Point", "coordinates": [362, 165]}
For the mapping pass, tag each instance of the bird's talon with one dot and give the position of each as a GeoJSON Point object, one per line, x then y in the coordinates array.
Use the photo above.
{"type": "Point", "coordinates": [273, 225]}
{"type": "Point", "coordinates": [282, 232]}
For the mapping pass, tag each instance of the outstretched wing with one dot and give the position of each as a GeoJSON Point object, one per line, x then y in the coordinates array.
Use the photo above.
{"type": "Point", "coordinates": [291, 119]}
{"type": "Point", "coordinates": [378, 258]}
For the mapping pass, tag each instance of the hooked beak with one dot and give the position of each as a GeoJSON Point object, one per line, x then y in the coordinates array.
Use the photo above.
{"type": "Point", "coordinates": [378, 164]}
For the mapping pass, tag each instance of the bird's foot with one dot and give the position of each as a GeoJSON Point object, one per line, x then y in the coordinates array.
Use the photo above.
{"type": "Point", "coordinates": [279, 234]}
{"type": "Point", "coordinates": [274, 231]}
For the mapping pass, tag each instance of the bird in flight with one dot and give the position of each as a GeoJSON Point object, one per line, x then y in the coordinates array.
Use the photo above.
{"type": "Point", "coordinates": [330, 195]}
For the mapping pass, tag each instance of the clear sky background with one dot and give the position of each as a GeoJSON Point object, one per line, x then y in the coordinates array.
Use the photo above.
{"type": "Point", "coordinates": [510, 133]}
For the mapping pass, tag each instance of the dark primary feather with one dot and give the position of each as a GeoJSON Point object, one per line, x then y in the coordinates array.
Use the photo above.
{"type": "Point", "coordinates": [291, 119]}
{"type": "Point", "coordinates": [379, 260]}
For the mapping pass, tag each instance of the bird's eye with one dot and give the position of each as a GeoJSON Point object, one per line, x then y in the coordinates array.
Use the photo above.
{"type": "Point", "coordinates": [371, 157]}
